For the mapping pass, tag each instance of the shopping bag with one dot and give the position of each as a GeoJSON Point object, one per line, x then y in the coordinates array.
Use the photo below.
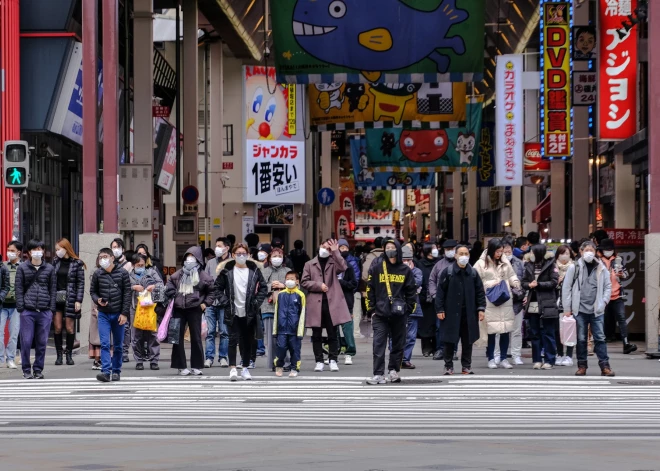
{"type": "Point", "coordinates": [174, 330]}
{"type": "Point", "coordinates": [568, 331]}
{"type": "Point", "coordinates": [144, 299]}
{"type": "Point", "coordinates": [162, 329]}
{"type": "Point", "coordinates": [145, 318]}
{"type": "Point", "coordinates": [205, 328]}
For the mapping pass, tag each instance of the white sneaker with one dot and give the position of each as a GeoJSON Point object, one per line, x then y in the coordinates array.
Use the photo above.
{"type": "Point", "coordinates": [378, 379]}
{"type": "Point", "coordinates": [559, 360]}
{"type": "Point", "coordinates": [319, 367]}
{"type": "Point", "coordinates": [568, 361]}
{"type": "Point", "coordinates": [233, 375]}
{"type": "Point", "coordinates": [394, 377]}
{"type": "Point", "coordinates": [505, 364]}
{"type": "Point", "coordinates": [492, 364]}
{"type": "Point", "coordinates": [518, 361]}
{"type": "Point", "coordinates": [11, 365]}
{"type": "Point", "coordinates": [348, 360]}
{"type": "Point", "coordinates": [245, 374]}
{"type": "Point", "coordinates": [208, 363]}
{"type": "Point", "coordinates": [333, 366]}
{"type": "Point", "coordinates": [184, 372]}
{"type": "Point", "coordinates": [293, 374]}
{"type": "Point", "coordinates": [223, 363]}
{"type": "Point", "coordinates": [537, 366]}
{"type": "Point", "coordinates": [546, 366]}
{"type": "Point", "coordinates": [197, 372]}
{"type": "Point", "coordinates": [498, 360]}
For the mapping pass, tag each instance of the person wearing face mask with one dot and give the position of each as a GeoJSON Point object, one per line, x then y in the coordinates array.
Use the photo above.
{"type": "Point", "coordinates": [274, 274]}
{"type": "Point", "coordinates": [460, 304]}
{"type": "Point", "coordinates": [191, 288]}
{"type": "Point", "coordinates": [241, 290]}
{"type": "Point", "coordinates": [215, 316]}
{"type": "Point", "coordinates": [426, 325]}
{"type": "Point", "coordinates": [448, 259]}
{"type": "Point", "coordinates": [289, 325]}
{"type": "Point", "coordinates": [36, 288]}
{"type": "Point", "coordinates": [518, 298]}
{"type": "Point", "coordinates": [8, 302]}
{"type": "Point", "coordinates": [119, 253]}
{"type": "Point", "coordinates": [143, 278]}
{"type": "Point", "coordinates": [586, 290]}
{"type": "Point", "coordinates": [278, 243]}
{"type": "Point", "coordinates": [616, 309]}
{"type": "Point", "coordinates": [349, 284]}
{"type": "Point", "coordinates": [152, 261]}
{"type": "Point", "coordinates": [259, 347]}
{"type": "Point", "coordinates": [70, 292]}
{"type": "Point", "coordinates": [563, 260]}
{"type": "Point", "coordinates": [326, 304]}
{"type": "Point", "coordinates": [416, 315]}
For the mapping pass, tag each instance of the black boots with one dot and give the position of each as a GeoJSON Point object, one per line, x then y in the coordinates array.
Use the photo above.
{"type": "Point", "coordinates": [58, 348]}
{"type": "Point", "coordinates": [628, 347]}
{"type": "Point", "coordinates": [69, 348]}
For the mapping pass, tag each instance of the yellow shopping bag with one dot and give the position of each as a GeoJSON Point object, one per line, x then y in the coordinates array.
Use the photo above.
{"type": "Point", "coordinates": [145, 318]}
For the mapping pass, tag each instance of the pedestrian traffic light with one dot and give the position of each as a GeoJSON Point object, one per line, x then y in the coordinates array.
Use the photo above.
{"type": "Point", "coordinates": [16, 164]}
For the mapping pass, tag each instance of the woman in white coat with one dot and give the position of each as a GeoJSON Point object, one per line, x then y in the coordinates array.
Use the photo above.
{"type": "Point", "coordinates": [493, 268]}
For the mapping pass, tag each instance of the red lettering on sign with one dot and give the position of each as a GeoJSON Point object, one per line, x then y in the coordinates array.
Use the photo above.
{"type": "Point", "coordinates": [556, 57]}
{"type": "Point", "coordinates": [556, 38]}
{"type": "Point", "coordinates": [557, 78]}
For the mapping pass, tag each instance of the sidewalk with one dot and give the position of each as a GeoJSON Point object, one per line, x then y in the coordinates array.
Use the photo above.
{"type": "Point", "coordinates": [634, 365]}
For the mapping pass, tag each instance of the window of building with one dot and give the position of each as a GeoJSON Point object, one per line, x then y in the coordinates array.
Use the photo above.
{"type": "Point", "coordinates": [228, 140]}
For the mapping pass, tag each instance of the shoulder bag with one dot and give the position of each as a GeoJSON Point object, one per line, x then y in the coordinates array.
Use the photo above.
{"type": "Point", "coordinates": [397, 305]}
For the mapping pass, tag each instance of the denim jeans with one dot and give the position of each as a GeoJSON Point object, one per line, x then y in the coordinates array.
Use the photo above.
{"type": "Point", "coordinates": [411, 338]}
{"type": "Point", "coordinates": [598, 331]}
{"type": "Point", "coordinates": [543, 337]}
{"type": "Point", "coordinates": [504, 346]}
{"type": "Point", "coordinates": [14, 327]}
{"type": "Point", "coordinates": [215, 320]}
{"type": "Point", "coordinates": [109, 324]}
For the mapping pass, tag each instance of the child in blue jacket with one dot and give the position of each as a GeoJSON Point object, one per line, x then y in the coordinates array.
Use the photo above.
{"type": "Point", "coordinates": [289, 325]}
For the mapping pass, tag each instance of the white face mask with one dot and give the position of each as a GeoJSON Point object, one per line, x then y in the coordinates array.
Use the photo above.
{"type": "Point", "coordinates": [104, 263]}
{"type": "Point", "coordinates": [117, 252]}
{"type": "Point", "coordinates": [450, 254]}
{"type": "Point", "coordinates": [608, 253]}
{"type": "Point", "coordinates": [220, 251]}
{"type": "Point", "coordinates": [262, 256]}
{"type": "Point", "coordinates": [12, 255]}
{"type": "Point", "coordinates": [290, 284]}
{"type": "Point", "coordinates": [277, 261]}
{"type": "Point", "coordinates": [588, 256]}
{"type": "Point", "coordinates": [60, 253]}
{"type": "Point", "coordinates": [435, 253]}
{"type": "Point", "coordinates": [463, 260]}
{"type": "Point", "coordinates": [509, 257]}
{"type": "Point", "coordinates": [564, 258]}
{"type": "Point", "coordinates": [241, 259]}
{"type": "Point", "coordinates": [37, 254]}
{"type": "Point", "coordinates": [324, 253]}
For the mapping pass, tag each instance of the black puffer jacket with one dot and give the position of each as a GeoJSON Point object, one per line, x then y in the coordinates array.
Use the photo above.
{"type": "Point", "coordinates": [256, 292]}
{"type": "Point", "coordinates": [36, 289]}
{"type": "Point", "coordinates": [75, 285]}
{"type": "Point", "coordinates": [114, 288]}
{"type": "Point", "coordinates": [546, 291]}
{"type": "Point", "coordinates": [202, 291]}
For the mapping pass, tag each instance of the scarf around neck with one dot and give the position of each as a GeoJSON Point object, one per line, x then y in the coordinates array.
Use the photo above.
{"type": "Point", "coordinates": [189, 279]}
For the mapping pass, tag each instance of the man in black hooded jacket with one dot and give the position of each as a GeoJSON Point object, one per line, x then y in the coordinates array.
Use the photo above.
{"type": "Point", "coordinates": [386, 321]}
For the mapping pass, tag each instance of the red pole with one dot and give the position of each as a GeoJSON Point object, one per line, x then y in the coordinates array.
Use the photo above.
{"type": "Point", "coordinates": [110, 115]}
{"type": "Point", "coordinates": [654, 116]}
{"type": "Point", "coordinates": [90, 146]}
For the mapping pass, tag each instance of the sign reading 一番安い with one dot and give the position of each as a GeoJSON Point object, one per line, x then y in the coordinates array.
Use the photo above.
{"type": "Point", "coordinates": [509, 126]}
{"type": "Point", "coordinates": [617, 70]}
{"type": "Point", "coordinates": [556, 133]}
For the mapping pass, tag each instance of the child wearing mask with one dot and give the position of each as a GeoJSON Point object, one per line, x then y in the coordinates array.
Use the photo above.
{"type": "Point", "coordinates": [289, 325]}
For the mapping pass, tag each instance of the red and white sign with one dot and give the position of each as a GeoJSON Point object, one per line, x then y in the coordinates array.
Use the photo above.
{"type": "Point", "coordinates": [227, 165]}
{"type": "Point", "coordinates": [509, 120]}
{"type": "Point", "coordinates": [627, 237]}
{"type": "Point", "coordinates": [533, 160]}
{"type": "Point", "coordinates": [166, 176]}
{"type": "Point", "coordinates": [275, 171]}
{"type": "Point", "coordinates": [617, 74]}
{"type": "Point", "coordinates": [160, 111]}
{"type": "Point", "coordinates": [343, 224]}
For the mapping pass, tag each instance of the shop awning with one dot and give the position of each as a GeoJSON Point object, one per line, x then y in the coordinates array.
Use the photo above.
{"type": "Point", "coordinates": [543, 211]}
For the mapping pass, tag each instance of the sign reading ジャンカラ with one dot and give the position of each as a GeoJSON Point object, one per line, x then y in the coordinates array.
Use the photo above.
{"type": "Point", "coordinates": [385, 41]}
{"type": "Point", "coordinates": [275, 143]}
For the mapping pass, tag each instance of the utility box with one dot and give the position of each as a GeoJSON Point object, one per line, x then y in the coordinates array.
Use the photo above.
{"type": "Point", "coordinates": [135, 197]}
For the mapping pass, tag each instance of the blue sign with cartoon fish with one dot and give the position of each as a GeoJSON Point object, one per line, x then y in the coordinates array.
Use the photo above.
{"type": "Point", "coordinates": [378, 41]}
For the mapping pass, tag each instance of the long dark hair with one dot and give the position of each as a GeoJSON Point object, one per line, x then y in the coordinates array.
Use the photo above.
{"type": "Point", "coordinates": [493, 246]}
{"type": "Point", "coordinates": [539, 251]}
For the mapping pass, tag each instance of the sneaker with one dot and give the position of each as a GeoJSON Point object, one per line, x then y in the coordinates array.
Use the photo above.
{"type": "Point", "coordinates": [378, 379]}
{"type": "Point", "coordinates": [406, 365]}
{"type": "Point", "coordinates": [606, 371]}
{"type": "Point", "coordinates": [28, 375]}
{"type": "Point", "coordinates": [251, 365]}
{"type": "Point", "coordinates": [154, 366]}
{"type": "Point", "coordinates": [567, 361]}
{"type": "Point", "coordinates": [224, 363]}
{"type": "Point", "coordinates": [233, 375]}
{"type": "Point", "coordinates": [449, 371]}
{"type": "Point", "coordinates": [498, 361]}
{"type": "Point", "coordinates": [245, 374]}
{"type": "Point", "coordinates": [326, 361]}
{"type": "Point", "coordinates": [116, 376]}
{"type": "Point", "coordinates": [139, 366]}
{"type": "Point", "coordinates": [506, 365]}
{"type": "Point", "coordinates": [492, 364]}
{"type": "Point", "coordinates": [319, 367]}
{"type": "Point", "coordinates": [394, 377]}
{"type": "Point", "coordinates": [279, 371]}
{"type": "Point", "coordinates": [348, 360]}
{"type": "Point", "coordinates": [518, 361]}
{"type": "Point", "coordinates": [11, 365]}
{"type": "Point", "coordinates": [184, 372]}
{"type": "Point", "coordinates": [559, 360]}
{"type": "Point", "coordinates": [40, 375]}
{"type": "Point", "coordinates": [538, 365]}
{"type": "Point", "coordinates": [125, 359]}
{"type": "Point", "coordinates": [439, 355]}
{"type": "Point", "coordinates": [333, 366]}
{"type": "Point", "coordinates": [467, 371]}
{"type": "Point", "coordinates": [197, 372]}
{"type": "Point", "coordinates": [546, 366]}
{"type": "Point", "coordinates": [293, 374]}
{"type": "Point", "coordinates": [207, 363]}
{"type": "Point", "coordinates": [103, 377]}
{"type": "Point", "coordinates": [96, 365]}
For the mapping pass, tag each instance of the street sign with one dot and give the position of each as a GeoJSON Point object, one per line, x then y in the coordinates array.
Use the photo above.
{"type": "Point", "coordinates": [326, 196]}
{"type": "Point", "coordinates": [190, 194]}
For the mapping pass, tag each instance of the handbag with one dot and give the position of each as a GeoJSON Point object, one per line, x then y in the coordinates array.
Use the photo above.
{"type": "Point", "coordinates": [162, 328]}
{"type": "Point", "coordinates": [60, 297]}
{"type": "Point", "coordinates": [498, 294]}
{"type": "Point", "coordinates": [158, 294]}
{"type": "Point", "coordinates": [532, 308]}
{"type": "Point", "coordinates": [397, 305]}
{"type": "Point", "coordinates": [145, 318]}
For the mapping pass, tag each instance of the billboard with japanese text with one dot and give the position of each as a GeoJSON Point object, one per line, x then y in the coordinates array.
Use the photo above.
{"type": "Point", "coordinates": [556, 122]}
{"type": "Point", "coordinates": [617, 70]}
{"type": "Point", "coordinates": [486, 167]}
{"type": "Point", "coordinates": [274, 140]}
{"type": "Point", "coordinates": [509, 120]}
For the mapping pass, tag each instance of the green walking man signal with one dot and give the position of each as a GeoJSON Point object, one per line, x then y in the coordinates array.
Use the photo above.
{"type": "Point", "coordinates": [16, 164]}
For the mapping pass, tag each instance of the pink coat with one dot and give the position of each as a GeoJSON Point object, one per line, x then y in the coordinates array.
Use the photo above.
{"type": "Point", "coordinates": [312, 279]}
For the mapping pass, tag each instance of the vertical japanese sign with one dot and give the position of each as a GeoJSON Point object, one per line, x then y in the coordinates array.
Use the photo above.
{"type": "Point", "coordinates": [617, 71]}
{"type": "Point", "coordinates": [274, 143]}
{"type": "Point", "coordinates": [556, 122]}
{"type": "Point", "coordinates": [486, 169]}
{"type": "Point", "coordinates": [509, 120]}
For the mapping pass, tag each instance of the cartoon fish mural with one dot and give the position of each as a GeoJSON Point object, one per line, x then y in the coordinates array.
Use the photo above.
{"type": "Point", "coordinates": [369, 36]}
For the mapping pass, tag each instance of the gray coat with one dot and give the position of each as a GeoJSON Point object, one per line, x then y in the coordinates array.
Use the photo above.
{"type": "Point", "coordinates": [519, 267]}
{"type": "Point", "coordinates": [150, 277]}
{"type": "Point", "coordinates": [573, 281]}
{"type": "Point", "coordinates": [434, 278]}
{"type": "Point", "coordinates": [270, 274]}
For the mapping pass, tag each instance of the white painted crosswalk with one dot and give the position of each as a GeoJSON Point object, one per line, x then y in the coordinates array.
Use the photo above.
{"type": "Point", "coordinates": [429, 407]}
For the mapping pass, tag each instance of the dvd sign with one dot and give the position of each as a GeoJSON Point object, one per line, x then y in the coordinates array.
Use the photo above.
{"type": "Point", "coordinates": [533, 160]}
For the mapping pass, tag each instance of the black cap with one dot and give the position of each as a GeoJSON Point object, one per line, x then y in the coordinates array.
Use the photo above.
{"type": "Point", "coordinates": [264, 248]}
{"type": "Point", "coordinates": [449, 244]}
{"type": "Point", "coordinates": [606, 244]}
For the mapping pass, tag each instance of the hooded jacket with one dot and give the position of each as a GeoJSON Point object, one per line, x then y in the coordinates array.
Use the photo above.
{"type": "Point", "coordinates": [575, 278]}
{"type": "Point", "coordinates": [36, 289]}
{"type": "Point", "coordinates": [202, 291]}
{"type": "Point", "coordinates": [256, 292]}
{"type": "Point", "coordinates": [499, 319]}
{"type": "Point", "coordinates": [402, 284]}
{"type": "Point", "coordinates": [75, 285]}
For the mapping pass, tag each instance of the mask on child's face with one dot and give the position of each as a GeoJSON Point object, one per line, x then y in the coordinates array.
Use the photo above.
{"type": "Point", "coordinates": [290, 284]}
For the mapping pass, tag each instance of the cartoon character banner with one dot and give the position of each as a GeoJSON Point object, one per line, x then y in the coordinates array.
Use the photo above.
{"type": "Point", "coordinates": [426, 150]}
{"type": "Point", "coordinates": [359, 105]}
{"type": "Point", "coordinates": [368, 178]}
{"type": "Point", "coordinates": [486, 168]}
{"type": "Point", "coordinates": [274, 140]}
{"type": "Point", "coordinates": [384, 41]}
